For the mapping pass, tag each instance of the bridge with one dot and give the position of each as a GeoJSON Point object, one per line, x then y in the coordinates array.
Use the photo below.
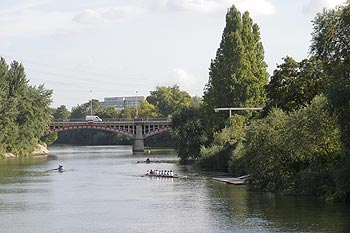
{"type": "Point", "coordinates": [136, 129]}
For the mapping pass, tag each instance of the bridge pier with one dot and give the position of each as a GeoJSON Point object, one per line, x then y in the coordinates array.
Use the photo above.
{"type": "Point", "coordinates": [139, 144]}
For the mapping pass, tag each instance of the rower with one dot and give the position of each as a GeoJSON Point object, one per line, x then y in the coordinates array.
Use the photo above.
{"type": "Point", "coordinates": [60, 168]}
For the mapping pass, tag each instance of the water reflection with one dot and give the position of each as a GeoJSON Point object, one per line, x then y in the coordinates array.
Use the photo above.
{"type": "Point", "coordinates": [276, 213]}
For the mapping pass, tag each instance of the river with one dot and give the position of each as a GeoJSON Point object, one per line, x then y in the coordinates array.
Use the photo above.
{"type": "Point", "coordinates": [103, 190]}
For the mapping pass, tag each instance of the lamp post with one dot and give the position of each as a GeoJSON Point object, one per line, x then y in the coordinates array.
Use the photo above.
{"type": "Point", "coordinates": [124, 102]}
{"type": "Point", "coordinates": [136, 111]}
{"type": "Point", "coordinates": [91, 103]}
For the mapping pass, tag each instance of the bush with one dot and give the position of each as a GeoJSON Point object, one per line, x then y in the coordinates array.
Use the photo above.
{"type": "Point", "coordinates": [342, 180]}
{"type": "Point", "coordinates": [296, 152]}
{"type": "Point", "coordinates": [215, 158]}
{"type": "Point", "coordinates": [224, 153]}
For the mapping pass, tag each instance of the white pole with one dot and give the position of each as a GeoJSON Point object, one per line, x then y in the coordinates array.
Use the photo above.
{"type": "Point", "coordinates": [91, 102]}
{"type": "Point", "coordinates": [136, 112]}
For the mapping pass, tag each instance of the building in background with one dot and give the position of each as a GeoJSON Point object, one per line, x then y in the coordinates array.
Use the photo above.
{"type": "Point", "coordinates": [119, 103]}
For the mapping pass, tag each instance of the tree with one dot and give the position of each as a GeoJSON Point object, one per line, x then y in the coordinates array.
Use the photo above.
{"type": "Point", "coordinates": [225, 151]}
{"type": "Point", "coordinates": [330, 43]}
{"type": "Point", "coordinates": [80, 111]}
{"type": "Point", "coordinates": [238, 73]}
{"type": "Point", "coordinates": [109, 112]}
{"type": "Point", "coordinates": [188, 131]}
{"type": "Point", "coordinates": [147, 110]}
{"type": "Point", "coordinates": [61, 113]}
{"type": "Point", "coordinates": [169, 100]}
{"type": "Point", "coordinates": [294, 84]}
{"type": "Point", "coordinates": [196, 101]}
{"type": "Point", "coordinates": [24, 110]}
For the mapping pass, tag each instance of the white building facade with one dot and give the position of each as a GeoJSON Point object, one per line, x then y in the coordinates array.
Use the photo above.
{"type": "Point", "coordinates": [120, 103]}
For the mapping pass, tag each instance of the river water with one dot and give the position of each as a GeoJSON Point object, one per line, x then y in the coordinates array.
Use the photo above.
{"type": "Point", "coordinates": [103, 190]}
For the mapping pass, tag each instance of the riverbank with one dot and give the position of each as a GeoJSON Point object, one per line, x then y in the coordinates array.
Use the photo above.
{"type": "Point", "coordinates": [41, 150]}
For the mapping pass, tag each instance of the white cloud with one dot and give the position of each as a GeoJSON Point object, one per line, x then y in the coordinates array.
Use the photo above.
{"type": "Point", "coordinates": [202, 6]}
{"type": "Point", "coordinates": [29, 23]}
{"type": "Point", "coordinates": [100, 15]}
{"type": "Point", "coordinates": [190, 6]}
{"type": "Point", "coordinates": [314, 6]}
{"type": "Point", "coordinates": [255, 7]}
{"type": "Point", "coordinates": [26, 19]}
{"type": "Point", "coordinates": [185, 80]}
{"type": "Point", "coordinates": [22, 6]}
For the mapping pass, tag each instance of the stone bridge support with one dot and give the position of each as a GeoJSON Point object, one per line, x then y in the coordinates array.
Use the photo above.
{"type": "Point", "coordinates": [139, 144]}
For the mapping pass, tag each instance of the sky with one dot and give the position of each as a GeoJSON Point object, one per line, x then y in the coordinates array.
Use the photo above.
{"type": "Point", "coordinates": [86, 49]}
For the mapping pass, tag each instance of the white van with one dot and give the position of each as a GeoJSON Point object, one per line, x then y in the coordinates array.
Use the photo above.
{"type": "Point", "coordinates": [93, 119]}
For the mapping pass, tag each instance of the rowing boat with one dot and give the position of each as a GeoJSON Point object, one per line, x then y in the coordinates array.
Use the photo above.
{"type": "Point", "coordinates": [161, 176]}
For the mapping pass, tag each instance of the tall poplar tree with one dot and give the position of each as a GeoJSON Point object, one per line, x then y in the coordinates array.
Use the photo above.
{"type": "Point", "coordinates": [238, 73]}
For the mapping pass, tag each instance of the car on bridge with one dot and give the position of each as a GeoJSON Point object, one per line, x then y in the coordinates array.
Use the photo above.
{"type": "Point", "coordinates": [92, 119]}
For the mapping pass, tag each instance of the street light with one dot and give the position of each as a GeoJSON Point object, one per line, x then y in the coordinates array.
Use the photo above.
{"type": "Point", "coordinates": [91, 103]}
{"type": "Point", "coordinates": [124, 101]}
{"type": "Point", "coordinates": [136, 112]}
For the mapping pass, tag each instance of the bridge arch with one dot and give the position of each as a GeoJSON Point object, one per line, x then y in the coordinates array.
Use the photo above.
{"type": "Point", "coordinates": [75, 127]}
{"type": "Point", "coordinates": [137, 129]}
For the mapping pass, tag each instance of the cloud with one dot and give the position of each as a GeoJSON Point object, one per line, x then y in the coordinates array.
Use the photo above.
{"type": "Point", "coordinates": [256, 7]}
{"type": "Point", "coordinates": [202, 6]}
{"type": "Point", "coordinates": [185, 80]}
{"type": "Point", "coordinates": [22, 6]}
{"type": "Point", "coordinates": [30, 23]}
{"type": "Point", "coordinates": [35, 18]}
{"type": "Point", "coordinates": [182, 6]}
{"type": "Point", "coordinates": [314, 6]}
{"type": "Point", "coordinates": [100, 15]}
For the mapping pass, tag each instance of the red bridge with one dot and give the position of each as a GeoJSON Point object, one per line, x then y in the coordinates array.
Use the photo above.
{"type": "Point", "coordinates": [137, 129]}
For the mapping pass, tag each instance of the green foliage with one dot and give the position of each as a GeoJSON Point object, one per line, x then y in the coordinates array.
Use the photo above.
{"type": "Point", "coordinates": [187, 129]}
{"type": "Point", "coordinates": [109, 113]}
{"type": "Point", "coordinates": [294, 84]}
{"type": "Point", "coordinates": [164, 139]}
{"type": "Point", "coordinates": [237, 163]}
{"type": "Point", "coordinates": [49, 139]}
{"type": "Point", "coordinates": [342, 180]}
{"type": "Point", "coordinates": [80, 111]}
{"type": "Point", "coordinates": [288, 152]}
{"type": "Point", "coordinates": [91, 137]}
{"type": "Point", "coordinates": [215, 158]}
{"type": "Point", "coordinates": [330, 43]}
{"type": "Point", "coordinates": [238, 73]}
{"type": "Point", "coordinates": [224, 154]}
{"type": "Point", "coordinates": [196, 101]}
{"type": "Point", "coordinates": [24, 110]}
{"type": "Point", "coordinates": [169, 100]}
{"type": "Point", "coordinates": [61, 113]}
{"type": "Point", "coordinates": [147, 110]}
